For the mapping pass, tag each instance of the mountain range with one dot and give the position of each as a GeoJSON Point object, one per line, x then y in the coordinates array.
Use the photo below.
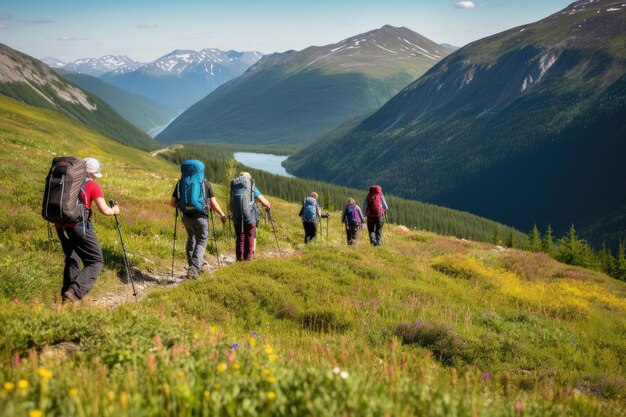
{"type": "Point", "coordinates": [183, 77]}
{"type": "Point", "coordinates": [115, 64]}
{"type": "Point", "coordinates": [295, 96]}
{"type": "Point", "coordinates": [526, 126]}
{"type": "Point", "coordinates": [30, 81]}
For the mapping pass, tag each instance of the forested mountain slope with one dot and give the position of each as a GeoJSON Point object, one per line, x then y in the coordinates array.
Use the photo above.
{"type": "Point", "coordinates": [526, 126]}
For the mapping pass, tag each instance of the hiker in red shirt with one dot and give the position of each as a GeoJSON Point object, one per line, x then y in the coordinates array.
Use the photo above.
{"type": "Point", "coordinates": [80, 243]}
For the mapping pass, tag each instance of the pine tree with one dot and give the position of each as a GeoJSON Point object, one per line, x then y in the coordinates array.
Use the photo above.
{"type": "Point", "coordinates": [496, 237]}
{"type": "Point", "coordinates": [510, 242]}
{"type": "Point", "coordinates": [568, 247]}
{"type": "Point", "coordinates": [534, 240]}
{"type": "Point", "coordinates": [620, 262]}
{"type": "Point", "coordinates": [230, 172]}
{"type": "Point", "coordinates": [547, 243]}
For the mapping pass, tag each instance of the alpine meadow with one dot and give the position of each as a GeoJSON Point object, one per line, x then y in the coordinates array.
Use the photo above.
{"type": "Point", "coordinates": [498, 285]}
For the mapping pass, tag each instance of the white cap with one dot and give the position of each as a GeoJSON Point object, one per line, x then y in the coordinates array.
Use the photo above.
{"type": "Point", "coordinates": [93, 166]}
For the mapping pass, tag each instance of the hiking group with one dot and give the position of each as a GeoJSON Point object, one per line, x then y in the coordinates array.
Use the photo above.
{"type": "Point", "coordinates": [71, 189]}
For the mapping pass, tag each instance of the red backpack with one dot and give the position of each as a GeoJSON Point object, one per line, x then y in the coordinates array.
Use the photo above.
{"type": "Point", "coordinates": [374, 203]}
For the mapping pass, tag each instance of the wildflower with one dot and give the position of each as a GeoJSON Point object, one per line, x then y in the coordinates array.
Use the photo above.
{"type": "Point", "coordinates": [213, 329]}
{"type": "Point", "coordinates": [181, 373]}
{"type": "Point", "coordinates": [271, 379]}
{"type": "Point", "coordinates": [166, 389]}
{"type": "Point", "coordinates": [206, 393]}
{"type": "Point", "coordinates": [22, 384]}
{"type": "Point", "coordinates": [252, 341]}
{"type": "Point", "coordinates": [221, 367]}
{"type": "Point", "coordinates": [72, 392]}
{"type": "Point", "coordinates": [234, 345]}
{"type": "Point", "coordinates": [344, 374]}
{"type": "Point", "coordinates": [255, 334]}
{"type": "Point", "coordinates": [270, 395]}
{"type": "Point", "coordinates": [518, 406]}
{"type": "Point", "coordinates": [110, 396]}
{"type": "Point", "coordinates": [44, 373]}
{"type": "Point", "coordinates": [266, 372]}
{"type": "Point", "coordinates": [336, 370]}
{"type": "Point", "coordinates": [123, 399]}
{"type": "Point", "coordinates": [216, 386]}
{"type": "Point", "coordinates": [271, 357]}
{"type": "Point", "coordinates": [236, 366]}
{"type": "Point", "coordinates": [9, 386]}
{"type": "Point", "coordinates": [268, 349]}
{"type": "Point", "coordinates": [486, 376]}
{"type": "Point", "coordinates": [35, 413]}
{"type": "Point", "coordinates": [196, 335]}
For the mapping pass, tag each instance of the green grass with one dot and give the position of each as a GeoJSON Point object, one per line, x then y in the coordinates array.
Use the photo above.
{"type": "Point", "coordinates": [424, 325]}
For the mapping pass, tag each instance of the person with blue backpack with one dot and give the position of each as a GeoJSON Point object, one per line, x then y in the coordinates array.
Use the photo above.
{"type": "Point", "coordinates": [194, 197]}
{"type": "Point", "coordinates": [352, 216]}
{"type": "Point", "coordinates": [309, 213]}
{"type": "Point", "coordinates": [246, 214]}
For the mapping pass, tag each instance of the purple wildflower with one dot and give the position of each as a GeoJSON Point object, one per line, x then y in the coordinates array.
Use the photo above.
{"type": "Point", "coordinates": [486, 376]}
{"type": "Point", "coordinates": [234, 345]}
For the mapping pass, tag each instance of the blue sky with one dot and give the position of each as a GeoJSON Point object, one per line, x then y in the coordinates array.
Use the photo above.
{"type": "Point", "coordinates": [147, 29]}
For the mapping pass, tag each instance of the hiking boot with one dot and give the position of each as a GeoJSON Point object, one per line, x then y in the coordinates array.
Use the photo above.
{"type": "Point", "coordinates": [192, 273]}
{"type": "Point", "coordinates": [69, 297]}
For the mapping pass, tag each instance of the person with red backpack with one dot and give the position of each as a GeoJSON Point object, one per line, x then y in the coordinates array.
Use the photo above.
{"type": "Point", "coordinates": [352, 216]}
{"type": "Point", "coordinates": [375, 208]}
{"type": "Point", "coordinates": [72, 182]}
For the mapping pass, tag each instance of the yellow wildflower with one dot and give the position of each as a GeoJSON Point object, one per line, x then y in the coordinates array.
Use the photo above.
{"type": "Point", "coordinates": [268, 349]}
{"type": "Point", "coordinates": [270, 395]}
{"type": "Point", "coordinates": [35, 413]}
{"type": "Point", "coordinates": [265, 372]}
{"type": "Point", "coordinates": [111, 396]}
{"type": "Point", "coordinates": [44, 373]}
{"type": "Point", "coordinates": [222, 367]}
{"type": "Point", "coordinates": [236, 366]}
{"type": "Point", "coordinates": [73, 392]}
{"type": "Point", "coordinates": [181, 373]}
{"type": "Point", "coordinates": [9, 386]}
{"type": "Point", "coordinates": [196, 335]}
{"type": "Point", "coordinates": [216, 386]}
{"type": "Point", "coordinates": [271, 357]}
{"type": "Point", "coordinates": [271, 379]}
{"type": "Point", "coordinates": [22, 384]}
{"type": "Point", "coordinates": [166, 390]}
{"type": "Point", "coordinates": [123, 399]}
{"type": "Point", "coordinates": [213, 329]}
{"type": "Point", "coordinates": [252, 341]}
{"type": "Point", "coordinates": [207, 393]}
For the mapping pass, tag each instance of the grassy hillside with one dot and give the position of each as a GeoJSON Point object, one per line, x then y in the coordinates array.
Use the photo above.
{"type": "Point", "coordinates": [425, 325]}
{"type": "Point", "coordinates": [142, 112]}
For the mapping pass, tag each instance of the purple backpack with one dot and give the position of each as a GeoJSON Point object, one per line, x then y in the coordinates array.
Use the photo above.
{"type": "Point", "coordinates": [353, 215]}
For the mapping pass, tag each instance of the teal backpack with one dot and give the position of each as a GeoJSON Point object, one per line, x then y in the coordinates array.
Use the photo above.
{"type": "Point", "coordinates": [309, 213]}
{"type": "Point", "coordinates": [191, 198]}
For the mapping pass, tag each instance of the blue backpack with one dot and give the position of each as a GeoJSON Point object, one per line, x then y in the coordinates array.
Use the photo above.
{"type": "Point", "coordinates": [353, 215]}
{"type": "Point", "coordinates": [308, 210]}
{"type": "Point", "coordinates": [191, 198]}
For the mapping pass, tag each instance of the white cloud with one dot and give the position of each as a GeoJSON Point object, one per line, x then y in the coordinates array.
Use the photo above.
{"type": "Point", "coordinates": [3, 27]}
{"type": "Point", "coordinates": [465, 4]}
{"type": "Point", "coordinates": [41, 22]}
{"type": "Point", "coordinates": [148, 25]}
{"type": "Point", "coordinates": [4, 16]}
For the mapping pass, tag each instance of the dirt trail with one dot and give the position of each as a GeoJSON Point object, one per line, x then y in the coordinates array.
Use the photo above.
{"type": "Point", "coordinates": [146, 282]}
{"type": "Point", "coordinates": [168, 149]}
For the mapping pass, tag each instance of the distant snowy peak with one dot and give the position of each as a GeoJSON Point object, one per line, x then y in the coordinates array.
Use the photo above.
{"type": "Point", "coordinates": [53, 62]}
{"type": "Point", "coordinates": [117, 64]}
{"type": "Point", "coordinates": [206, 60]}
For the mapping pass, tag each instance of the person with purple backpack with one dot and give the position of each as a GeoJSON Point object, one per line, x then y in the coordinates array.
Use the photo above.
{"type": "Point", "coordinates": [352, 216]}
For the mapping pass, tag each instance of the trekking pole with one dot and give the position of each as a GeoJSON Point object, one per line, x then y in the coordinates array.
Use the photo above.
{"type": "Point", "coordinates": [269, 217]}
{"type": "Point", "coordinates": [119, 230]}
{"type": "Point", "coordinates": [217, 251]}
{"type": "Point", "coordinates": [327, 225]}
{"type": "Point", "coordinates": [174, 242]}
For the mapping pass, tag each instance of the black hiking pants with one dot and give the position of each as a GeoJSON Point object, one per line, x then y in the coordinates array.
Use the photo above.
{"type": "Point", "coordinates": [351, 233]}
{"type": "Point", "coordinates": [80, 244]}
{"type": "Point", "coordinates": [375, 229]}
{"type": "Point", "coordinates": [310, 231]}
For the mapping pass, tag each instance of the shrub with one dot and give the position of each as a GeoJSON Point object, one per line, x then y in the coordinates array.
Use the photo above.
{"type": "Point", "coordinates": [439, 338]}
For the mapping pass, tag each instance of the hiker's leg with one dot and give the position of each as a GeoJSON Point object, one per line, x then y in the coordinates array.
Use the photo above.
{"type": "Point", "coordinates": [379, 230]}
{"type": "Point", "coordinates": [306, 232]}
{"type": "Point", "coordinates": [348, 234]}
{"type": "Point", "coordinates": [371, 230]}
{"type": "Point", "coordinates": [89, 251]}
{"type": "Point", "coordinates": [71, 259]}
{"type": "Point", "coordinates": [189, 223]}
{"type": "Point", "coordinates": [313, 231]}
{"type": "Point", "coordinates": [248, 244]}
{"type": "Point", "coordinates": [201, 234]}
{"type": "Point", "coordinates": [239, 242]}
{"type": "Point", "coordinates": [309, 231]}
